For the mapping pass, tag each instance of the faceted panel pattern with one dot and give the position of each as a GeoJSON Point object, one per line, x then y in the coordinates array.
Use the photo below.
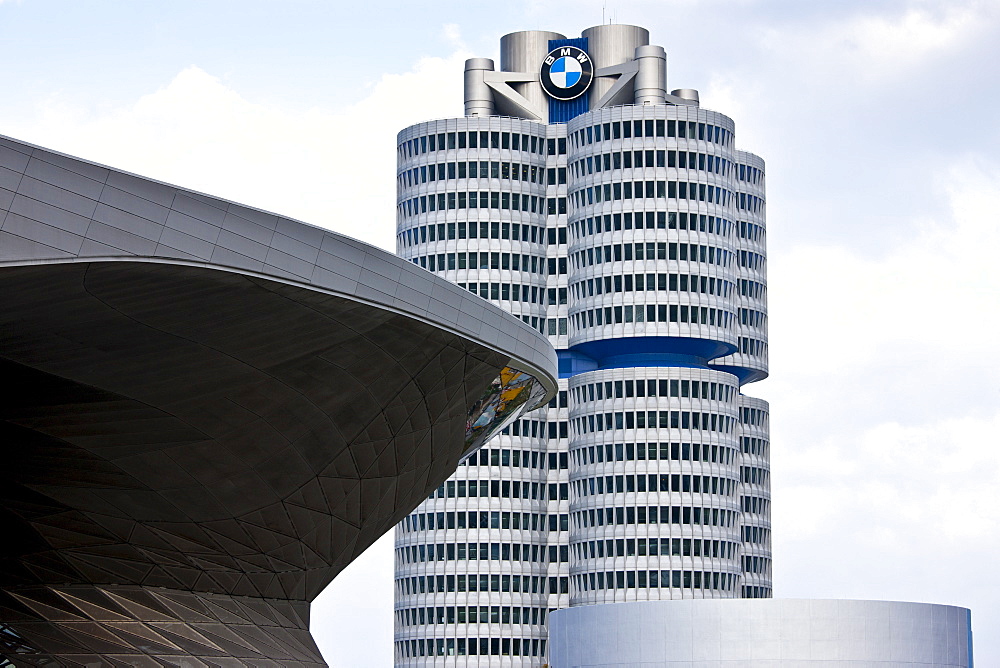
{"type": "Point", "coordinates": [143, 626]}
{"type": "Point", "coordinates": [194, 449]}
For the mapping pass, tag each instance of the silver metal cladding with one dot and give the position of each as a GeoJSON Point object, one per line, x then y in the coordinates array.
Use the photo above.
{"type": "Point", "coordinates": [651, 79]}
{"type": "Point", "coordinates": [524, 51]}
{"type": "Point", "coordinates": [689, 94]}
{"type": "Point", "coordinates": [478, 95]}
{"type": "Point", "coordinates": [610, 45]}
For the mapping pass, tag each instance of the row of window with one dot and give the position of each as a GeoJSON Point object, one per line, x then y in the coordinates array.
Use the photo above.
{"type": "Point", "coordinates": [506, 201]}
{"type": "Point", "coordinates": [654, 420]}
{"type": "Point", "coordinates": [751, 260]}
{"type": "Point", "coordinates": [652, 251]}
{"type": "Point", "coordinates": [752, 318]}
{"type": "Point", "coordinates": [753, 475]}
{"type": "Point", "coordinates": [705, 580]}
{"type": "Point", "coordinates": [471, 647]}
{"type": "Point", "coordinates": [599, 517]}
{"type": "Point", "coordinates": [478, 519]}
{"type": "Point", "coordinates": [539, 324]}
{"type": "Point", "coordinates": [500, 489]}
{"type": "Point", "coordinates": [472, 614]}
{"type": "Point", "coordinates": [414, 554]}
{"type": "Point", "coordinates": [482, 230]}
{"type": "Point", "coordinates": [607, 162]}
{"type": "Point", "coordinates": [531, 264]}
{"type": "Point", "coordinates": [652, 482]}
{"type": "Point", "coordinates": [651, 128]}
{"type": "Point", "coordinates": [561, 398]}
{"type": "Point", "coordinates": [756, 592]}
{"type": "Point", "coordinates": [761, 565]}
{"type": "Point", "coordinates": [751, 203]}
{"type": "Point", "coordinates": [649, 220]}
{"type": "Point", "coordinates": [756, 505]}
{"type": "Point", "coordinates": [752, 232]}
{"type": "Point", "coordinates": [673, 388]}
{"type": "Point", "coordinates": [754, 416]}
{"type": "Point", "coordinates": [512, 141]}
{"type": "Point", "coordinates": [527, 428]}
{"type": "Point", "coordinates": [753, 289]}
{"type": "Point", "coordinates": [758, 535]}
{"type": "Point", "coordinates": [613, 192]}
{"type": "Point", "coordinates": [677, 452]}
{"type": "Point", "coordinates": [512, 457]}
{"type": "Point", "coordinates": [750, 174]}
{"type": "Point", "coordinates": [655, 547]}
{"type": "Point", "coordinates": [482, 169]}
{"type": "Point", "coordinates": [552, 236]}
{"type": "Point", "coordinates": [755, 347]}
{"type": "Point", "coordinates": [528, 294]}
{"type": "Point", "coordinates": [442, 584]}
{"type": "Point", "coordinates": [752, 445]}
{"type": "Point", "coordinates": [617, 315]}
{"type": "Point", "coordinates": [708, 285]}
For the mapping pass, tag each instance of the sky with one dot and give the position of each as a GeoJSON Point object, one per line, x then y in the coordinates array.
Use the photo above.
{"type": "Point", "coordinates": [878, 121]}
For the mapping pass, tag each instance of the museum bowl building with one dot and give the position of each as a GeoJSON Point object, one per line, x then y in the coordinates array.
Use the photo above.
{"type": "Point", "coordinates": [211, 410]}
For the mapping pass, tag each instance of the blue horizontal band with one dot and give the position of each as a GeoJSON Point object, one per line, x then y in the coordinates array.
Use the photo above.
{"type": "Point", "coordinates": [648, 351]}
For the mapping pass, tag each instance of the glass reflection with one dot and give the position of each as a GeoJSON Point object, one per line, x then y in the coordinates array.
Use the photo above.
{"type": "Point", "coordinates": [503, 402]}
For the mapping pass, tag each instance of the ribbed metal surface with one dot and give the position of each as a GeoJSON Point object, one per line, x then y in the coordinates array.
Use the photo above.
{"type": "Point", "coordinates": [612, 45]}
{"type": "Point", "coordinates": [523, 52]}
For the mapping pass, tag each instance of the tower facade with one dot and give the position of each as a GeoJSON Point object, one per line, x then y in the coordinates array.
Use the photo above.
{"type": "Point", "coordinates": [619, 220]}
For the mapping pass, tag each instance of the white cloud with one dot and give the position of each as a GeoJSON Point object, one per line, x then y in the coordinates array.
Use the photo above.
{"type": "Point", "coordinates": [884, 409]}
{"type": "Point", "coordinates": [453, 35]}
{"type": "Point", "coordinates": [915, 325]}
{"type": "Point", "coordinates": [881, 45]}
{"type": "Point", "coordinates": [334, 170]}
{"type": "Point", "coordinates": [872, 48]}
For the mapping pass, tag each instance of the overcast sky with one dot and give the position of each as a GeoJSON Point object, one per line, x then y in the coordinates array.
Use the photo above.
{"type": "Point", "coordinates": [878, 120]}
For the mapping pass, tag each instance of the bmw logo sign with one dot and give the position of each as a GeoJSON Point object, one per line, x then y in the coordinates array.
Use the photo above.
{"type": "Point", "coordinates": [567, 72]}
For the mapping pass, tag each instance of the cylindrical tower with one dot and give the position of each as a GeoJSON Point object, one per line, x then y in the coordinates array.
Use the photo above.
{"type": "Point", "coordinates": [755, 497]}
{"type": "Point", "coordinates": [612, 44]}
{"type": "Point", "coordinates": [654, 511]}
{"type": "Point", "coordinates": [655, 494]}
{"type": "Point", "coordinates": [524, 51]}
{"type": "Point", "coordinates": [633, 237]}
{"type": "Point", "coordinates": [482, 202]}
{"type": "Point", "coordinates": [651, 79]}
{"type": "Point", "coordinates": [478, 96]}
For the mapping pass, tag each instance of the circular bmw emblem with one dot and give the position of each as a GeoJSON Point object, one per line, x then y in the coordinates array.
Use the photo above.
{"type": "Point", "coordinates": [566, 72]}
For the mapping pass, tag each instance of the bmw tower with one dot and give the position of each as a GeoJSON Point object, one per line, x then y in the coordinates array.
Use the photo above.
{"type": "Point", "coordinates": [617, 218]}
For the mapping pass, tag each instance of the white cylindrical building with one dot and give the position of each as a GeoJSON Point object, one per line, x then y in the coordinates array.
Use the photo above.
{"type": "Point", "coordinates": [620, 229]}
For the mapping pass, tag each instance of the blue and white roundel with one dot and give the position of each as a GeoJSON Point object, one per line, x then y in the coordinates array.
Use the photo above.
{"type": "Point", "coordinates": [566, 73]}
